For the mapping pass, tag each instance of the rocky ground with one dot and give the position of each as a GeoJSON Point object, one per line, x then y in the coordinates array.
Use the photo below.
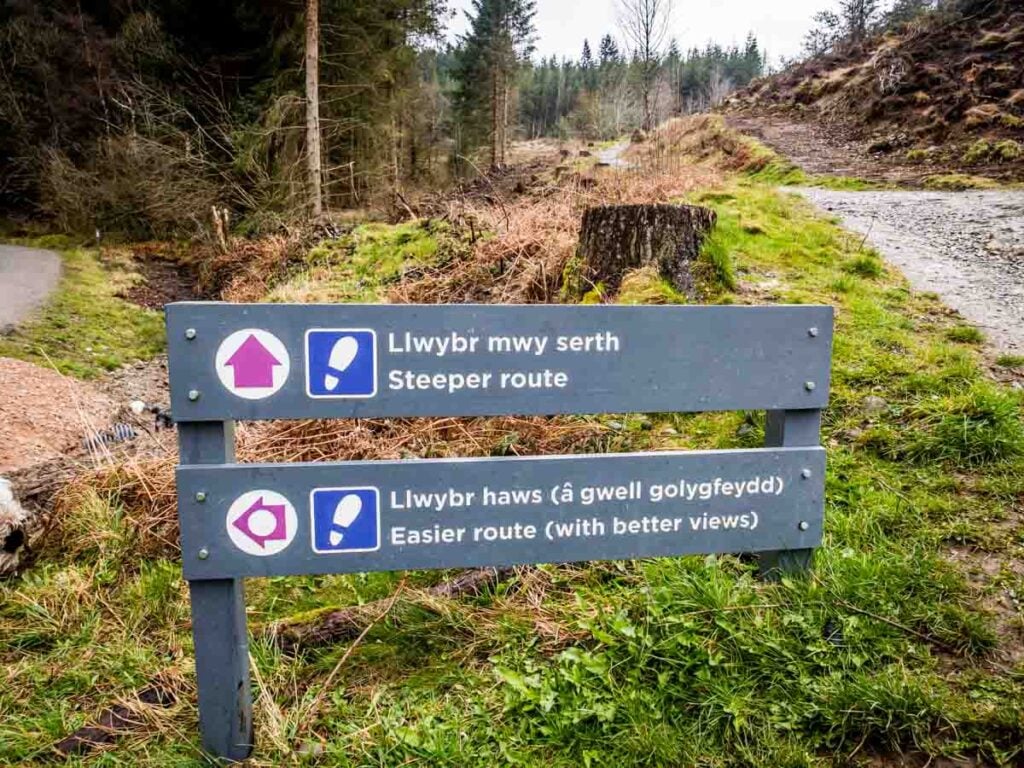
{"type": "Point", "coordinates": [968, 247]}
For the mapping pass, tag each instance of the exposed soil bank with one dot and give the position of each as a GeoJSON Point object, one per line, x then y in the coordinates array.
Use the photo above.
{"type": "Point", "coordinates": [968, 247]}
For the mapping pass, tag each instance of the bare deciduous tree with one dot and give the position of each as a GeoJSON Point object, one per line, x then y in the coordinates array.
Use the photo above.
{"type": "Point", "coordinates": [645, 25]}
{"type": "Point", "coordinates": [719, 86]}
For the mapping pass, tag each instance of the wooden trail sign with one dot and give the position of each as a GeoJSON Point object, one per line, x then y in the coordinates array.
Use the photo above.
{"type": "Point", "coordinates": [252, 362]}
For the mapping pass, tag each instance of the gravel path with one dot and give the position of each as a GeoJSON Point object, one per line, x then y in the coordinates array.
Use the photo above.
{"type": "Point", "coordinates": [968, 247]}
{"type": "Point", "coordinates": [27, 275]}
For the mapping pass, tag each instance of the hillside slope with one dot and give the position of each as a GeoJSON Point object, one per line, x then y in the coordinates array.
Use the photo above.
{"type": "Point", "coordinates": [946, 90]}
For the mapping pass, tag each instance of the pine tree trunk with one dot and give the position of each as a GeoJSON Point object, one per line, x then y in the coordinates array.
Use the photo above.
{"type": "Point", "coordinates": [313, 164]}
{"type": "Point", "coordinates": [494, 119]}
{"type": "Point", "coordinates": [615, 239]}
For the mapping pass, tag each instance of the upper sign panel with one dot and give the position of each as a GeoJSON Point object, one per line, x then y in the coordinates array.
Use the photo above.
{"type": "Point", "coordinates": [256, 361]}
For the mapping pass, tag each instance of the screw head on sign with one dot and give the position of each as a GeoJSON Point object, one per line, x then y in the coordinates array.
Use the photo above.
{"type": "Point", "coordinates": [812, 332]}
{"type": "Point", "coordinates": [806, 474]}
{"type": "Point", "coordinates": [204, 553]}
{"type": "Point", "coordinates": [804, 525]}
{"type": "Point", "coordinates": [810, 386]}
{"type": "Point", "coordinates": [193, 395]}
{"type": "Point", "coordinates": [190, 334]}
{"type": "Point", "coordinates": [201, 496]}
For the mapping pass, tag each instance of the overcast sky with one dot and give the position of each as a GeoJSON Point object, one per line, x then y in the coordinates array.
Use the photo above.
{"type": "Point", "coordinates": [562, 25]}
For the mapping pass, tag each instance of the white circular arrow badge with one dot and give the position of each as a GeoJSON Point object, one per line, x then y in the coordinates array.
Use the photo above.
{"type": "Point", "coordinates": [252, 364]}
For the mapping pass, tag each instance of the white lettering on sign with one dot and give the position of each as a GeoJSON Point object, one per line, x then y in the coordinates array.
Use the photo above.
{"type": "Point", "coordinates": [437, 346]}
{"type": "Point", "coordinates": [534, 345]}
{"type": "Point", "coordinates": [599, 342]}
{"type": "Point", "coordinates": [454, 343]}
{"type": "Point", "coordinates": [438, 502]}
{"type": "Point", "coordinates": [705, 491]}
{"type": "Point", "coordinates": [565, 494]}
{"type": "Point", "coordinates": [413, 537]}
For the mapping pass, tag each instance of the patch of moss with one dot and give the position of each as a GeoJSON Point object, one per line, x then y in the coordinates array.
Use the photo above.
{"type": "Point", "coordinates": [85, 329]}
{"type": "Point", "coordinates": [1008, 150]}
{"type": "Point", "coordinates": [358, 267]}
{"type": "Point", "coordinates": [646, 286]}
{"type": "Point", "coordinates": [958, 181]}
{"type": "Point", "coordinates": [846, 183]}
{"type": "Point", "coordinates": [978, 152]}
{"type": "Point", "coordinates": [573, 280]}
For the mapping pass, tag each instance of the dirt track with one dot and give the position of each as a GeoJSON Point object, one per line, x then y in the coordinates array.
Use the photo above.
{"type": "Point", "coordinates": [822, 151]}
{"type": "Point", "coordinates": [968, 247]}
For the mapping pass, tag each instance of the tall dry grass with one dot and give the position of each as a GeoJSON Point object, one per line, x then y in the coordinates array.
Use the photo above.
{"type": "Point", "coordinates": [536, 234]}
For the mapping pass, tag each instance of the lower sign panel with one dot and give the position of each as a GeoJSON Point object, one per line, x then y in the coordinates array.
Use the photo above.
{"type": "Point", "coordinates": [289, 519]}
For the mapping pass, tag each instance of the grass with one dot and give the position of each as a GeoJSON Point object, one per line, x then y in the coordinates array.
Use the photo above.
{"type": "Point", "coordinates": [1010, 361]}
{"type": "Point", "coordinates": [965, 334]}
{"type": "Point", "coordinates": [868, 266]}
{"type": "Point", "coordinates": [358, 267]}
{"type": "Point", "coordinates": [85, 329]}
{"type": "Point", "coordinates": [888, 649]}
{"type": "Point", "coordinates": [959, 181]}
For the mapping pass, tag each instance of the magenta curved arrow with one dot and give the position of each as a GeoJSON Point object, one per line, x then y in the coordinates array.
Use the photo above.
{"type": "Point", "coordinates": [280, 532]}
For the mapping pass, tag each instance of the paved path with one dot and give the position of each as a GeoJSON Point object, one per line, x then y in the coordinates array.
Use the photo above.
{"type": "Point", "coordinates": [968, 247]}
{"type": "Point", "coordinates": [27, 276]}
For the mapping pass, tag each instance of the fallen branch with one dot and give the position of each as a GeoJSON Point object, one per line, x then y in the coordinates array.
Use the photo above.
{"type": "Point", "coordinates": [348, 623]}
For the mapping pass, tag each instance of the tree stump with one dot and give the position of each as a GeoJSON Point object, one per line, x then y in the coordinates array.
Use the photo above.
{"type": "Point", "coordinates": [615, 239]}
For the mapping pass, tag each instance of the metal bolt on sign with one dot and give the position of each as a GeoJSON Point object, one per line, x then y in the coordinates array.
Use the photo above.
{"type": "Point", "coordinates": [261, 362]}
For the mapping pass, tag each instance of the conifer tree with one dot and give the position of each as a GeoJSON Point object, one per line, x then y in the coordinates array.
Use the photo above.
{"type": "Point", "coordinates": [609, 51]}
{"type": "Point", "coordinates": [500, 39]}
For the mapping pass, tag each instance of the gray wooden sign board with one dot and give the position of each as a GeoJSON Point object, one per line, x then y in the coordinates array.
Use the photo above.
{"type": "Point", "coordinates": [300, 362]}
{"type": "Point", "coordinates": [252, 362]}
{"type": "Point", "coordinates": [384, 516]}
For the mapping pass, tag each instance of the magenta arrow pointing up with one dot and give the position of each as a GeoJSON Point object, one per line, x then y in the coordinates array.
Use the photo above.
{"type": "Point", "coordinates": [280, 532]}
{"type": "Point", "coordinates": [253, 365]}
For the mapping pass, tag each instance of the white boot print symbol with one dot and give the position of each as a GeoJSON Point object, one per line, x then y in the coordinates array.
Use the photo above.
{"type": "Point", "coordinates": [345, 514]}
{"type": "Point", "coordinates": [342, 355]}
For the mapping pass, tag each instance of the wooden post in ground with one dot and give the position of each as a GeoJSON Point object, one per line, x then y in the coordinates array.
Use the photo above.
{"type": "Point", "coordinates": [219, 627]}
